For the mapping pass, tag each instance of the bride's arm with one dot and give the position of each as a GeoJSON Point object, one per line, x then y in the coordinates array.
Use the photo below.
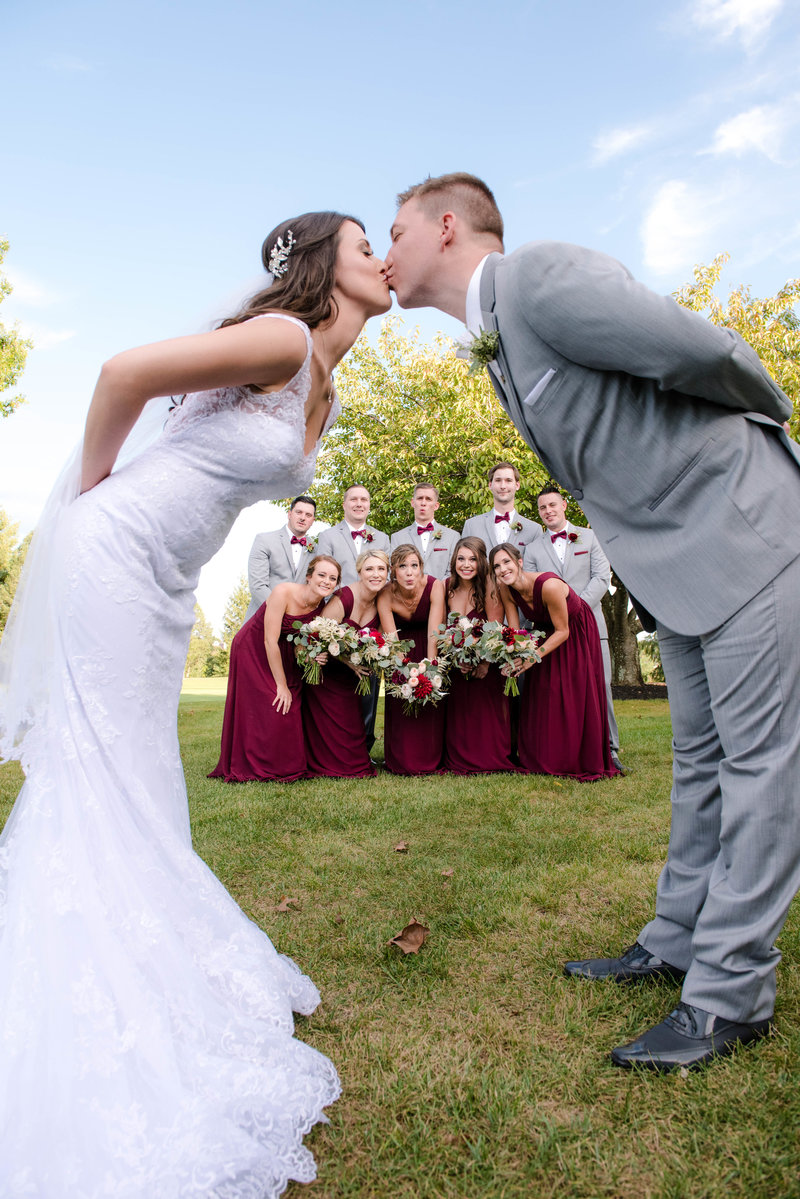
{"type": "Point", "coordinates": [259, 352]}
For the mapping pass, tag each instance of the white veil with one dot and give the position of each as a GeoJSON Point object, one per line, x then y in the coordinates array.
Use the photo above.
{"type": "Point", "coordinates": [28, 647]}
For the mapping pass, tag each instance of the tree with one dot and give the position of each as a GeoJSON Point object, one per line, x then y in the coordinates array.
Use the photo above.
{"type": "Point", "coordinates": [13, 348]}
{"type": "Point", "coordinates": [232, 621]}
{"type": "Point", "coordinates": [413, 412]}
{"type": "Point", "coordinates": [772, 328]}
{"type": "Point", "coordinates": [12, 557]}
{"type": "Point", "coordinates": [202, 646]}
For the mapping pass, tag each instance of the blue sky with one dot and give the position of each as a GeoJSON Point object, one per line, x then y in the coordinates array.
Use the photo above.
{"type": "Point", "coordinates": [148, 148]}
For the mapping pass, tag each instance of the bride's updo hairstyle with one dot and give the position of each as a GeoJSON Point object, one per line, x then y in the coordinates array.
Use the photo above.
{"type": "Point", "coordinates": [303, 284]}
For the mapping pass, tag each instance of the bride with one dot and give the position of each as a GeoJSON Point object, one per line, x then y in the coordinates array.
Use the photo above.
{"type": "Point", "coordinates": [146, 1045]}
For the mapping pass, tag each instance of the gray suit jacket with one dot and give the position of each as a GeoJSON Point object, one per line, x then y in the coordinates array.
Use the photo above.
{"type": "Point", "coordinates": [483, 526]}
{"type": "Point", "coordinates": [585, 568]}
{"type": "Point", "coordinates": [271, 562]}
{"type": "Point", "coordinates": [665, 428]}
{"type": "Point", "coordinates": [337, 542]}
{"type": "Point", "coordinates": [441, 544]}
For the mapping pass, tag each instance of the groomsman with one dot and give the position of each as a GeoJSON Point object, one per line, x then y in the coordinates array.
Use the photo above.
{"type": "Point", "coordinates": [345, 541]}
{"type": "Point", "coordinates": [434, 541]}
{"type": "Point", "coordinates": [502, 522]}
{"type": "Point", "coordinates": [282, 556]}
{"type": "Point", "coordinates": [576, 555]}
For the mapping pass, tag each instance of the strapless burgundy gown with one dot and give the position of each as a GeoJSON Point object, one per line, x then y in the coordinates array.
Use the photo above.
{"type": "Point", "coordinates": [414, 744]}
{"type": "Point", "coordinates": [478, 725]}
{"type": "Point", "coordinates": [563, 723]}
{"type": "Point", "coordinates": [336, 743]}
{"type": "Point", "coordinates": [258, 742]}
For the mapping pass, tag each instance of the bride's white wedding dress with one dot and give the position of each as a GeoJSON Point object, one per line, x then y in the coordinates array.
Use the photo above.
{"type": "Point", "coordinates": [146, 1044]}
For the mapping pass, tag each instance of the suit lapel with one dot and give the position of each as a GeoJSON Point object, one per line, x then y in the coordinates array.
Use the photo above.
{"type": "Point", "coordinates": [286, 542]}
{"type": "Point", "coordinates": [498, 368]}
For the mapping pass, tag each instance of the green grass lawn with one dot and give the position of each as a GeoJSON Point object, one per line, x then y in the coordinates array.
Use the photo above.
{"type": "Point", "coordinates": [476, 1068]}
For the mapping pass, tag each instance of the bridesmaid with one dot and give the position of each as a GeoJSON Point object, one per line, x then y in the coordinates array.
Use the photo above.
{"type": "Point", "coordinates": [413, 607]}
{"type": "Point", "coordinates": [336, 741]}
{"type": "Point", "coordinates": [262, 731]}
{"type": "Point", "coordinates": [563, 725]}
{"type": "Point", "coordinates": [478, 727]}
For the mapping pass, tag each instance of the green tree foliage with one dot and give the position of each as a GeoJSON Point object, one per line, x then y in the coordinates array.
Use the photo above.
{"type": "Point", "coordinates": [13, 348]}
{"type": "Point", "coordinates": [235, 610]}
{"type": "Point", "coordinates": [413, 412]}
{"type": "Point", "coordinates": [203, 645]}
{"type": "Point", "coordinates": [771, 326]}
{"type": "Point", "coordinates": [12, 556]}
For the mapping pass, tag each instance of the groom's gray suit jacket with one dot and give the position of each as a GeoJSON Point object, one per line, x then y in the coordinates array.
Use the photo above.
{"type": "Point", "coordinates": [271, 562]}
{"type": "Point", "coordinates": [664, 427]}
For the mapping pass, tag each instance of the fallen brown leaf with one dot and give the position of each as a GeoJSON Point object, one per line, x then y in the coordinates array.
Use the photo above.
{"type": "Point", "coordinates": [448, 873]}
{"type": "Point", "coordinates": [412, 937]}
{"type": "Point", "coordinates": [287, 902]}
{"type": "Point", "coordinates": [401, 847]}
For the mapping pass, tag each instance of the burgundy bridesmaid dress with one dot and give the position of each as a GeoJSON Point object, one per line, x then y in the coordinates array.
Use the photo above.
{"type": "Point", "coordinates": [563, 723]}
{"type": "Point", "coordinates": [414, 744]}
{"type": "Point", "coordinates": [336, 742]}
{"type": "Point", "coordinates": [478, 726]}
{"type": "Point", "coordinates": [258, 742]}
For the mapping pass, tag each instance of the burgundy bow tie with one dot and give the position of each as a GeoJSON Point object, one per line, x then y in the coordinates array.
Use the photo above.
{"type": "Point", "coordinates": [424, 529]}
{"type": "Point", "coordinates": [555, 536]}
{"type": "Point", "coordinates": [502, 516]}
{"type": "Point", "coordinates": [358, 533]}
{"type": "Point", "coordinates": [298, 541]}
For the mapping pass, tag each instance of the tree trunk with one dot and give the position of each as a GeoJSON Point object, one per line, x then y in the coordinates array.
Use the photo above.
{"type": "Point", "coordinates": [623, 625]}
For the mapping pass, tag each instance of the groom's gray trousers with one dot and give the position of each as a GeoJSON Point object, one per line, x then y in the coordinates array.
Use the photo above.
{"type": "Point", "coordinates": [734, 849]}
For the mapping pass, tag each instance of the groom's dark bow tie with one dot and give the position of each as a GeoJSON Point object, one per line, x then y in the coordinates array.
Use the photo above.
{"type": "Point", "coordinates": [424, 529]}
{"type": "Point", "coordinates": [501, 516]}
{"type": "Point", "coordinates": [555, 536]}
{"type": "Point", "coordinates": [299, 541]}
{"type": "Point", "coordinates": [358, 533]}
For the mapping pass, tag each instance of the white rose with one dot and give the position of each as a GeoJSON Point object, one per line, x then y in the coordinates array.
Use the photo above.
{"type": "Point", "coordinates": [464, 623]}
{"type": "Point", "coordinates": [437, 680]}
{"type": "Point", "coordinates": [385, 651]}
{"type": "Point", "coordinates": [405, 691]}
{"type": "Point", "coordinates": [333, 648]}
{"type": "Point", "coordinates": [413, 681]}
{"type": "Point", "coordinates": [355, 659]}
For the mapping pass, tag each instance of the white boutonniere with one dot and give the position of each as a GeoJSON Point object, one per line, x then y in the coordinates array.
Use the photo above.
{"type": "Point", "coordinates": [311, 546]}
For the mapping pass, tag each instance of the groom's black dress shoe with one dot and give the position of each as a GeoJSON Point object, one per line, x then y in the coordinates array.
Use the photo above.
{"type": "Point", "coordinates": [688, 1037]}
{"type": "Point", "coordinates": [616, 762]}
{"type": "Point", "coordinates": [634, 964]}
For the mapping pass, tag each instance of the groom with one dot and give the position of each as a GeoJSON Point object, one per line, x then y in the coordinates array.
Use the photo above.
{"type": "Point", "coordinates": [669, 433]}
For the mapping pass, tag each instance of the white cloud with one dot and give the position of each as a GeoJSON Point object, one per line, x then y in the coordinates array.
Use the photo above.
{"type": "Point", "coordinates": [618, 141]}
{"type": "Point", "coordinates": [750, 19]}
{"type": "Point", "coordinates": [675, 230]}
{"type": "Point", "coordinates": [27, 291]}
{"type": "Point", "coordinates": [44, 338]}
{"type": "Point", "coordinates": [761, 128]}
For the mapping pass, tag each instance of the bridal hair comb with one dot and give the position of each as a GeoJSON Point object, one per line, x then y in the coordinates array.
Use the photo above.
{"type": "Point", "coordinates": [278, 262]}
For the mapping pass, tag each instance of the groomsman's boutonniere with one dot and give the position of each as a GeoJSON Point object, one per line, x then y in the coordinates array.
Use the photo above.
{"type": "Point", "coordinates": [437, 535]}
{"type": "Point", "coordinates": [368, 538]}
{"type": "Point", "coordinates": [483, 350]}
{"type": "Point", "coordinates": [311, 546]}
{"type": "Point", "coordinates": [574, 538]}
{"type": "Point", "coordinates": [517, 526]}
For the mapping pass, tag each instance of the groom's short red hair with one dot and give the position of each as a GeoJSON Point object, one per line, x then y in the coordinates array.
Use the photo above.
{"type": "Point", "coordinates": [466, 195]}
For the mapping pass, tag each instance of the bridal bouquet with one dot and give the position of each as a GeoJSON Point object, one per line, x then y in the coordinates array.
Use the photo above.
{"type": "Point", "coordinates": [319, 636]}
{"type": "Point", "coordinates": [373, 650]}
{"type": "Point", "coordinates": [417, 683]}
{"type": "Point", "coordinates": [503, 646]}
{"type": "Point", "coordinates": [459, 641]}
